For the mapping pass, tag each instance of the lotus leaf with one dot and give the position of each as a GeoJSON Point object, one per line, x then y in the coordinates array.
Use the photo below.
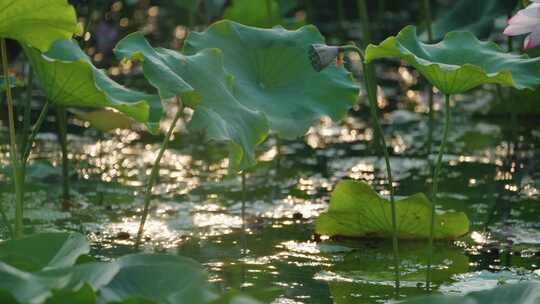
{"type": "Point", "coordinates": [69, 79]}
{"type": "Point", "coordinates": [37, 23]}
{"type": "Point", "coordinates": [38, 287]}
{"type": "Point", "coordinates": [136, 278]}
{"type": "Point", "coordinates": [460, 62]}
{"type": "Point", "coordinates": [273, 74]}
{"type": "Point", "coordinates": [158, 279]}
{"type": "Point", "coordinates": [220, 114]}
{"type": "Point", "coordinates": [356, 210]}
{"type": "Point", "coordinates": [44, 251]}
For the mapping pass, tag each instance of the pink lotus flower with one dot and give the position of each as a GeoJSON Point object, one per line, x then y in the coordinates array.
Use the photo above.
{"type": "Point", "coordinates": [526, 21]}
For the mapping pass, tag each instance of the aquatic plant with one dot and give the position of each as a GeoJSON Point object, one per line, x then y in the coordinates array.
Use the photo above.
{"type": "Point", "coordinates": [38, 24]}
{"type": "Point", "coordinates": [55, 268]}
{"type": "Point", "coordinates": [456, 65]}
{"type": "Point", "coordinates": [322, 56]}
{"type": "Point", "coordinates": [249, 81]}
{"type": "Point", "coordinates": [356, 210]}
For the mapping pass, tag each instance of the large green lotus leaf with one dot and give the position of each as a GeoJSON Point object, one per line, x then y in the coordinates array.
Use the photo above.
{"type": "Point", "coordinates": [37, 287]}
{"type": "Point", "coordinates": [160, 74]}
{"type": "Point", "coordinates": [253, 13]}
{"type": "Point", "coordinates": [460, 62]}
{"type": "Point", "coordinates": [37, 22]}
{"type": "Point", "coordinates": [44, 251]}
{"type": "Point", "coordinates": [220, 114]}
{"type": "Point", "coordinates": [273, 74]}
{"type": "Point", "coordinates": [477, 17]}
{"type": "Point", "coordinates": [356, 210]}
{"type": "Point", "coordinates": [69, 79]}
{"type": "Point", "coordinates": [527, 293]}
{"type": "Point", "coordinates": [162, 279]}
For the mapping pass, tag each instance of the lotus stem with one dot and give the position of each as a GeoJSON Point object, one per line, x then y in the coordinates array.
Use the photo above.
{"type": "Point", "coordinates": [23, 137]}
{"type": "Point", "coordinates": [5, 220]}
{"type": "Point", "coordinates": [243, 212]}
{"type": "Point", "coordinates": [428, 19]}
{"type": "Point", "coordinates": [364, 21]}
{"type": "Point", "coordinates": [372, 96]}
{"type": "Point", "coordinates": [62, 138]}
{"type": "Point", "coordinates": [431, 114]}
{"type": "Point", "coordinates": [435, 181]}
{"type": "Point", "coordinates": [371, 85]}
{"type": "Point", "coordinates": [33, 134]}
{"type": "Point", "coordinates": [153, 176]}
{"type": "Point", "coordinates": [18, 181]}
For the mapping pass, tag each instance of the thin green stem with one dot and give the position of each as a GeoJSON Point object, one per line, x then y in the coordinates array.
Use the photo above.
{"type": "Point", "coordinates": [364, 21]}
{"type": "Point", "coordinates": [5, 220]}
{"type": "Point", "coordinates": [244, 232]}
{"type": "Point", "coordinates": [371, 86]}
{"type": "Point", "coordinates": [153, 176]}
{"type": "Point", "coordinates": [431, 120]}
{"type": "Point", "coordinates": [369, 75]}
{"type": "Point", "coordinates": [243, 211]}
{"type": "Point", "coordinates": [435, 185]}
{"type": "Point", "coordinates": [428, 19]}
{"type": "Point", "coordinates": [34, 132]}
{"type": "Point", "coordinates": [23, 137]}
{"type": "Point", "coordinates": [91, 6]}
{"type": "Point", "coordinates": [431, 117]}
{"type": "Point", "coordinates": [18, 181]}
{"type": "Point", "coordinates": [101, 195]}
{"type": "Point", "coordinates": [62, 138]}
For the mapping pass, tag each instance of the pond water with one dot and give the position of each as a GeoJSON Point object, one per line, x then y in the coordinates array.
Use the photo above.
{"type": "Point", "coordinates": [491, 172]}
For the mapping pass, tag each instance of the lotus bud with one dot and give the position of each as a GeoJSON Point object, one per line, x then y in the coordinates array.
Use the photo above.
{"type": "Point", "coordinates": [321, 55]}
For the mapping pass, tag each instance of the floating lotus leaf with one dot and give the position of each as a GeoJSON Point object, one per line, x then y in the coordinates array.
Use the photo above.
{"type": "Point", "coordinates": [220, 114]}
{"type": "Point", "coordinates": [68, 78]}
{"type": "Point", "coordinates": [525, 293]}
{"type": "Point", "coordinates": [358, 211]}
{"type": "Point", "coordinates": [273, 74]}
{"type": "Point", "coordinates": [477, 17]}
{"type": "Point", "coordinates": [44, 251]}
{"type": "Point", "coordinates": [460, 62]}
{"type": "Point", "coordinates": [37, 22]}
